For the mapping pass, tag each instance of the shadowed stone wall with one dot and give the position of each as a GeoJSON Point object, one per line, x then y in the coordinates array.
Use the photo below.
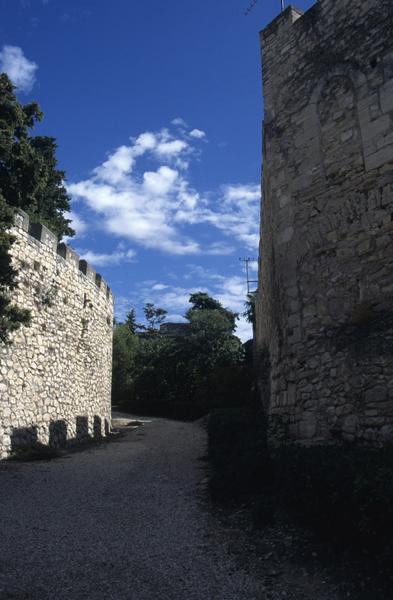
{"type": "Point", "coordinates": [55, 377]}
{"type": "Point", "coordinates": [325, 303]}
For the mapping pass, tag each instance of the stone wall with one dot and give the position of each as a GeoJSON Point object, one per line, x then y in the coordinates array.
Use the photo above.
{"type": "Point", "coordinates": [325, 302]}
{"type": "Point", "coordinates": [55, 376]}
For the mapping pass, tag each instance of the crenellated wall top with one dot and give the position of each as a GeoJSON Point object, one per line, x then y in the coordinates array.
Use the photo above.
{"type": "Point", "coordinates": [42, 234]}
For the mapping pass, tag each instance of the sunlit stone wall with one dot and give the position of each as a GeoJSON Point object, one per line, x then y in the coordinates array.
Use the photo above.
{"type": "Point", "coordinates": [55, 376]}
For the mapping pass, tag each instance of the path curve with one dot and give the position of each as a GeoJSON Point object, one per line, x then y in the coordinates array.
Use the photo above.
{"type": "Point", "coordinates": [122, 521]}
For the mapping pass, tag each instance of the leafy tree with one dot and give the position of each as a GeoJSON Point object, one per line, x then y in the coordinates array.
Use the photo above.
{"type": "Point", "coordinates": [154, 316]}
{"type": "Point", "coordinates": [154, 372]}
{"type": "Point", "coordinates": [28, 180]}
{"type": "Point", "coordinates": [215, 354]}
{"type": "Point", "coordinates": [28, 175]}
{"type": "Point", "coordinates": [203, 302]}
{"type": "Point", "coordinates": [51, 200]}
{"type": "Point", "coordinates": [249, 305]}
{"type": "Point", "coordinates": [125, 349]}
{"type": "Point", "coordinates": [204, 368]}
{"type": "Point", "coordinates": [131, 321]}
{"type": "Point", "coordinates": [211, 341]}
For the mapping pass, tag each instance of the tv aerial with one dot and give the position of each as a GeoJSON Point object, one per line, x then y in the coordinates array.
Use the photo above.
{"type": "Point", "coordinates": [247, 262]}
{"type": "Point", "coordinates": [254, 2]}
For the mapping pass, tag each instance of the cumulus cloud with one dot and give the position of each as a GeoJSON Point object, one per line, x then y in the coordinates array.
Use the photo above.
{"type": "Point", "coordinates": [77, 223]}
{"type": "Point", "coordinates": [158, 207]}
{"type": "Point", "coordinates": [171, 148]}
{"type": "Point", "coordinates": [141, 208]}
{"type": "Point", "coordinates": [104, 260]}
{"type": "Point", "coordinates": [230, 291]}
{"type": "Point", "coordinates": [179, 122]}
{"type": "Point", "coordinates": [236, 214]}
{"type": "Point", "coordinates": [197, 134]}
{"type": "Point", "coordinates": [19, 69]}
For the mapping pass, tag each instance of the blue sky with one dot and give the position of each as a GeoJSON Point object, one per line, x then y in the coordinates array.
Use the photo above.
{"type": "Point", "coordinates": [157, 109]}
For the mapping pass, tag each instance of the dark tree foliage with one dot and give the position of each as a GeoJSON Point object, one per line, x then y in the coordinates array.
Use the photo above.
{"type": "Point", "coordinates": [154, 316]}
{"type": "Point", "coordinates": [28, 180]}
{"type": "Point", "coordinates": [51, 200]}
{"type": "Point", "coordinates": [125, 348]}
{"type": "Point", "coordinates": [201, 302]}
{"type": "Point", "coordinates": [203, 368]}
{"type": "Point", "coordinates": [249, 305]}
{"type": "Point", "coordinates": [28, 175]}
{"type": "Point", "coordinates": [131, 321]}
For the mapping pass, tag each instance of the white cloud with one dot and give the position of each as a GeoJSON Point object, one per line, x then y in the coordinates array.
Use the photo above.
{"type": "Point", "coordinates": [171, 148]}
{"type": "Point", "coordinates": [117, 166]}
{"type": "Point", "coordinates": [179, 122]}
{"type": "Point", "coordinates": [77, 223]}
{"type": "Point", "coordinates": [174, 318]}
{"type": "Point", "coordinates": [201, 273]}
{"type": "Point", "coordinates": [197, 134]}
{"type": "Point", "coordinates": [19, 69]}
{"type": "Point", "coordinates": [244, 330]}
{"type": "Point", "coordinates": [160, 182]}
{"type": "Point", "coordinates": [219, 249]}
{"type": "Point", "coordinates": [236, 214]}
{"type": "Point", "coordinates": [157, 207]}
{"type": "Point", "coordinates": [230, 291]}
{"type": "Point", "coordinates": [104, 260]}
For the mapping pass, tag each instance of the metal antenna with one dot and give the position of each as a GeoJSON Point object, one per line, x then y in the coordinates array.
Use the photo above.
{"type": "Point", "coordinates": [253, 3]}
{"type": "Point", "coordinates": [250, 7]}
{"type": "Point", "coordinates": [247, 262]}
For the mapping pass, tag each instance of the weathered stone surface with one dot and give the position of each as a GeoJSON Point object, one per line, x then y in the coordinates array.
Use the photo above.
{"type": "Point", "coordinates": [325, 304]}
{"type": "Point", "coordinates": [55, 376]}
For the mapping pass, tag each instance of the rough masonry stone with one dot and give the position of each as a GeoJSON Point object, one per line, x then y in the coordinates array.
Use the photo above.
{"type": "Point", "coordinates": [325, 302]}
{"type": "Point", "coordinates": [55, 376]}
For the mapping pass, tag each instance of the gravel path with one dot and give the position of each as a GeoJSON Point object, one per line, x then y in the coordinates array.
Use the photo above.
{"type": "Point", "coordinates": [120, 521]}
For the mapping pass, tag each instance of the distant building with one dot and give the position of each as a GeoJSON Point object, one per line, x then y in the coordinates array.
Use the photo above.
{"type": "Point", "coordinates": [174, 330]}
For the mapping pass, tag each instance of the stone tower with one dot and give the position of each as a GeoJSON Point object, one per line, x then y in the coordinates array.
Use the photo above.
{"type": "Point", "coordinates": [325, 301]}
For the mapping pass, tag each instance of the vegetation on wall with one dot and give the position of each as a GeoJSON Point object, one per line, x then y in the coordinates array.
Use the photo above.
{"type": "Point", "coordinates": [10, 316]}
{"type": "Point", "coordinates": [30, 180]}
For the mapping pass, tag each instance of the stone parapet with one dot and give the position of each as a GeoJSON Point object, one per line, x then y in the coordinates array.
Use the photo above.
{"type": "Point", "coordinates": [41, 233]}
{"type": "Point", "coordinates": [55, 375]}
